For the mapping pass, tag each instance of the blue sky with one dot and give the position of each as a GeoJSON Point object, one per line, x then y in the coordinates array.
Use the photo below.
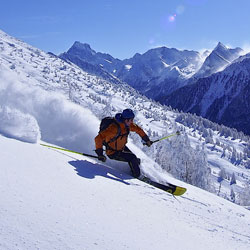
{"type": "Point", "coordinates": [125, 27]}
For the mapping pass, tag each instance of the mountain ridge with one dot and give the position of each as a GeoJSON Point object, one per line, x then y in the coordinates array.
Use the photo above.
{"type": "Point", "coordinates": [160, 72]}
{"type": "Point", "coordinates": [216, 96]}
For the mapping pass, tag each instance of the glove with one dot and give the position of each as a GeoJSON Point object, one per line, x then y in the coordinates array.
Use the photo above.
{"type": "Point", "coordinates": [149, 143]}
{"type": "Point", "coordinates": [101, 157]}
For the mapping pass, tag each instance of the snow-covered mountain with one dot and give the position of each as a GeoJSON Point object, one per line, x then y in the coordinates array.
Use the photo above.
{"type": "Point", "coordinates": [158, 72]}
{"type": "Point", "coordinates": [217, 60]}
{"type": "Point", "coordinates": [92, 62]}
{"type": "Point", "coordinates": [161, 68]}
{"type": "Point", "coordinates": [223, 97]}
{"type": "Point", "coordinates": [45, 98]}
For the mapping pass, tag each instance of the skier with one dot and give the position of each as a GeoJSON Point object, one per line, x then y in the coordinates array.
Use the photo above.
{"type": "Point", "coordinates": [114, 138]}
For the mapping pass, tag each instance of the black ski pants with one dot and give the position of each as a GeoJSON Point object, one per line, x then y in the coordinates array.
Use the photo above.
{"type": "Point", "coordinates": [127, 156]}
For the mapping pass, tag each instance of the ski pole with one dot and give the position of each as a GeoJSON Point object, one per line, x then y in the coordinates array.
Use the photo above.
{"type": "Point", "coordinates": [166, 137]}
{"type": "Point", "coordinates": [67, 150]}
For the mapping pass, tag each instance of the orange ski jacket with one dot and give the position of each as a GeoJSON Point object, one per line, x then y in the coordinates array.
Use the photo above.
{"type": "Point", "coordinates": [111, 131]}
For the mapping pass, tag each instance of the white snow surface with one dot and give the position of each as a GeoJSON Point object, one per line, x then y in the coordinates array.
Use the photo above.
{"type": "Point", "coordinates": [17, 125]}
{"type": "Point", "coordinates": [57, 200]}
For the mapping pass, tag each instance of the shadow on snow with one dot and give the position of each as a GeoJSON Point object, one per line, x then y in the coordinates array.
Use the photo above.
{"type": "Point", "coordinates": [90, 170]}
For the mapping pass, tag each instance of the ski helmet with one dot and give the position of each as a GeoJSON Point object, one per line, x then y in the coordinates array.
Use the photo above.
{"type": "Point", "coordinates": [128, 114]}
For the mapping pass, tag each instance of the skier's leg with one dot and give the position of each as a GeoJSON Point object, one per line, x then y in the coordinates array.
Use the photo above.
{"type": "Point", "coordinates": [133, 162]}
{"type": "Point", "coordinates": [136, 172]}
{"type": "Point", "coordinates": [129, 157]}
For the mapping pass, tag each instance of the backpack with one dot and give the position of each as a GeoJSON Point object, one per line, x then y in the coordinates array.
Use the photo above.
{"type": "Point", "coordinates": [105, 123]}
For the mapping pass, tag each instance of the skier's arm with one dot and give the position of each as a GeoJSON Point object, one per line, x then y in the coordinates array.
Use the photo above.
{"type": "Point", "coordinates": [135, 128]}
{"type": "Point", "coordinates": [141, 133]}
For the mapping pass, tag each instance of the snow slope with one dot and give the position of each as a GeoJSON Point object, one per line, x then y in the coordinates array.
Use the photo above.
{"type": "Point", "coordinates": [58, 200]}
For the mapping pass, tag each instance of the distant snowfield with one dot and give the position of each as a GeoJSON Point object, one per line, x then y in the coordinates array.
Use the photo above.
{"type": "Point", "coordinates": [57, 200]}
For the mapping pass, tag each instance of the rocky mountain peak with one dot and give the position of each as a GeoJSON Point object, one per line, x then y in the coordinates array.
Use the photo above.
{"type": "Point", "coordinates": [81, 48]}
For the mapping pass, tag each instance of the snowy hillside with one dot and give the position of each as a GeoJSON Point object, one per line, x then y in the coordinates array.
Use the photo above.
{"type": "Point", "coordinates": [42, 96]}
{"type": "Point", "coordinates": [57, 200]}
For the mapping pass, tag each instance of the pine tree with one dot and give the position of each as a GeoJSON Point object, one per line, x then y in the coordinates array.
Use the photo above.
{"type": "Point", "coordinates": [183, 162]}
{"type": "Point", "coordinates": [244, 196]}
{"type": "Point", "coordinates": [233, 179]}
{"type": "Point", "coordinates": [222, 176]}
{"type": "Point", "coordinates": [232, 195]}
